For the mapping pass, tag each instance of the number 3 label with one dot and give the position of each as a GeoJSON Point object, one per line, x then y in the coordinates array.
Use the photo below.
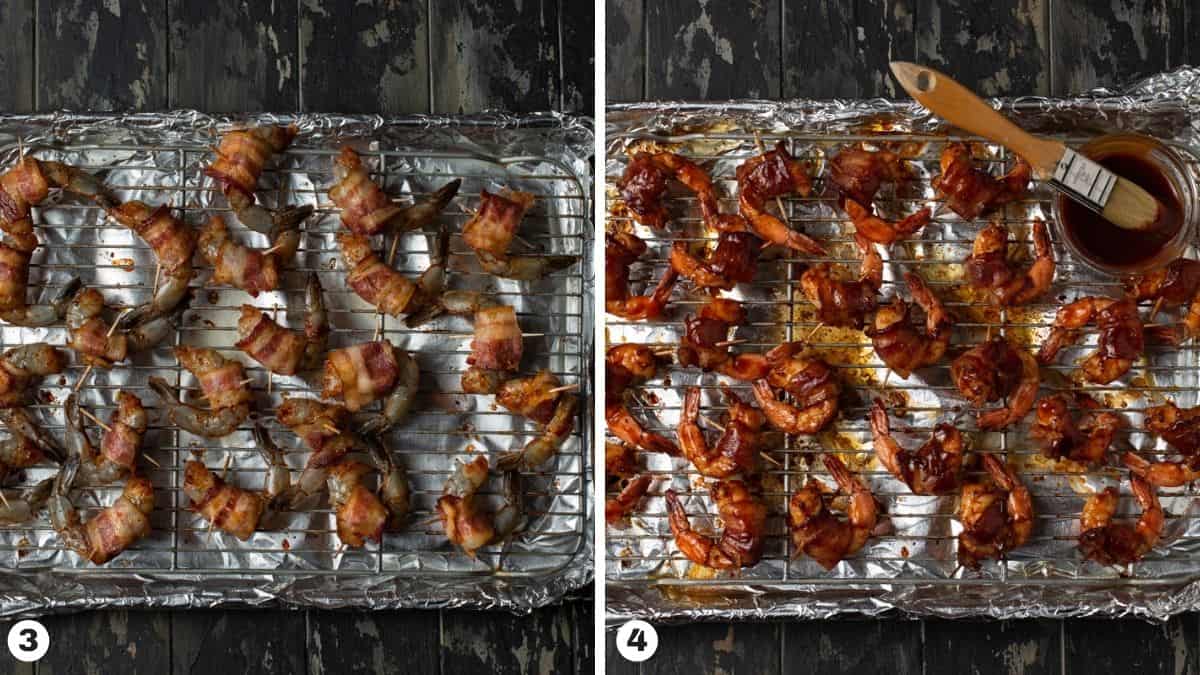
{"type": "Point", "coordinates": [637, 641]}
{"type": "Point", "coordinates": [28, 640]}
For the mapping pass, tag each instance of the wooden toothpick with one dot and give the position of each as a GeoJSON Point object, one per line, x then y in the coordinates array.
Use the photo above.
{"type": "Point", "coordinates": [1157, 306]}
{"type": "Point", "coordinates": [153, 461]}
{"type": "Point", "coordinates": [5, 500]}
{"type": "Point", "coordinates": [711, 423]}
{"type": "Point", "coordinates": [565, 387]}
{"type": "Point", "coordinates": [330, 428]}
{"type": "Point", "coordinates": [95, 419]}
{"type": "Point", "coordinates": [769, 458]}
{"type": "Point", "coordinates": [82, 378]}
{"type": "Point", "coordinates": [809, 337]}
{"type": "Point", "coordinates": [730, 343]}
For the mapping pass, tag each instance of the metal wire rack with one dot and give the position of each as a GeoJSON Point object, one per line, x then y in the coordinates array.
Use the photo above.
{"type": "Point", "coordinates": [447, 425]}
{"type": "Point", "coordinates": [916, 540]}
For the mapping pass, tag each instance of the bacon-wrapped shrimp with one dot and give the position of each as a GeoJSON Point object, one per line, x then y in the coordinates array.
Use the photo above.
{"type": "Point", "coordinates": [932, 469]}
{"type": "Point", "coordinates": [280, 350]}
{"type": "Point", "coordinates": [704, 334]}
{"type": "Point", "coordinates": [733, 260]}
{"type": "Point", "coordinates": [241, 266]}
{"type": "Point", "coordinates": [490, 233]}
{"type": "Point", "coordinates": [901, 345]}
{"type": "Point", "coordinates": [845, 303]}
{"type": "Point", "coordinates": [465, 524]}
{"type": "Point", "coordinates": [811, 382]}
{"type": "Point", "coordinates": [1111, 543]}
{"type": "Point", "coordinates": [993, 370]}
{"type": "Point", "coordinates": [1175, 285]}
{"type": "Point", "coordinates": [28, 444]}
{"type": "Point", "coordinates": [988, 268]}
{"type": "Point", "coordinates": [366, 208]}
{"type": "Point", "coordinates": [743, 514]}
{"type": "Point", "coordinates": [818, 531]}
{"type": "Point", "coordinates": [996, 515]}
{"type": "Point", "coordinates": [877, 230]}
{"type": "Point", "coordinates": [971, 192]}
{"type": "Point", "coordinates": [1121, 340]}
{"type": "Point", "coordinates": [644, 185]}
{"type": "Point", "coordinates": [767, 176]}
{"type": "Point", "coordinates": [222, 381]}
{"type": "Point", "coordinates": [240, 158]}
{"type": "Point", "coordinates": [324, 428]}
{"type": "Point", "coordinates": [736, 453]}
{"type": "Point", "coordinates": [624, 367]}
{"type": "Point", "coordinates": [628, 486]}
{"type": "Point", "coordinates": [173, 243]}
{"type": "Point", "coordinates": [496, 349]}
{"type": "Point", "coordinates": [21, 367]}
{"type": "Point", "coordinates": [621, 250]}
{"type": "Point", "coordinates": [101, 344]}
{"type": "Point", "coordinates": [857, 173]}
{"type": "Point", "coordinates": [540, 399]}
{"type": "Point", "coordinates": [117, 458]}
{"type": "Point", "coordinates": [19, 507]}
{"type": "Point", "coordinates": [381, 285]}
{"type": "Point", "coordinates": [1060, 436]}
{"type": "Point", "coordinates": [110, 531]}
{"type": "Point", "coordinates": [1180, 428]}
{"type": "Point", "coordinates": [230, 508]}
{"type": "Point", "coordinates": [364, 373]}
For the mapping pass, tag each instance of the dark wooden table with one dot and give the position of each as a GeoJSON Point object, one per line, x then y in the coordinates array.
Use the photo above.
{"type": "Point", "coordinates": [692, 49]}
{"type": "Point", "coordinates": [378, 56]}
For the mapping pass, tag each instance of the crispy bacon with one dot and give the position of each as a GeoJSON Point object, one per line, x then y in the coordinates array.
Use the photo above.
{"type": "Point", "coordinates": [241, 156]}
{"type": "Point", "coordinates": [366, 208]}
{"type": "Point", "coordinates": [229, 508]}
{"type": "Point", "coordinates": [123, 437]}
{"type": "Point", "coordinates": [971, 192]}
{"type": "Point", "coordinates": [222, 380]}
{"type": "Point", "coordinates": [173, 241]}
{"type": "Point", "coordinates": [1176, 284]}
{"type": "Point", "coordinates": [857, 173]}
{"type": "Point", "coordinates": [117, 527]}
{"type": "Point", "coordinates": [642, 187]}
{"type": "Point", "coordinates": [773, 174]}
{"type": "Point", "coordinates": [14, 277]}
{"type": "Point", "coordinates": [278, 349]}
{"type": "Point", "coordinates": [21, 187]}
{"type": "Point", "coordinates": [492, 228]}
{"type": "Point", "coordinates": [360, 516]}
{"type": "Point", "coordinates": [374, 280]}
{"type": "Point", "coordinates": [360, 374]}
{"type": "Point", "coordinates": [531, 397]}
{"type": "Point", "coordinates": [234, 264]}
{"type": "Point", "coordinates": [498, 344]}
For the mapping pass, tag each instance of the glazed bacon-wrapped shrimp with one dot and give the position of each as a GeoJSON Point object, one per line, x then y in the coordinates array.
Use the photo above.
{"type": "Point", "coordinates": [857, 174]}
{"type": "Point", "coordinates": [988, 268]}
{"type": "Point", "coordinates": [621, 473]}
{"type": "Point", "coordinates": [736, 452]}
{"type": "Point", "coordinates": [744, 517]}
{"type": "Point", "coordinates": [366, 208]}
{"type": "Point", "coordinates": [382, 286]}
{"type": "Point", "coordinates": [1175, 285]}
{"type": "Point", "coordinates": [540, 398]}
{"type": "Point", "coordinates": [971, 192]}
{"type": "Point", "coordinates": [223, 383]}
{"type": "Point", "coordinates": [996, 515]}
{"type": "Point", "coordinates": [240, 266]}
{"type": "Point", "coordinates": [818, 531]}
{"type": "Point", "coordinates": [102, 344]}
{"type": "Point", "coordinates": [278, 349]}
{"type": "Point", "coordinates": [1121, 340]}
{"type": "Point", "coordinates": [876, 229]}
{"type": "Point", "coordinates": [117, 458]}
{"type": "Point", "coordinates": [490, 233]}
{"type": "Point", "coordinates": [109, 532]}
{"type": "Point", "coordinates": [1111, 543]}
{"type": "Point", "coordinates": [932, 469]}
{"type": "Point", "coordinates": [367, 372]}
{"type": "Point", "coordinates": [811, 382]}
{"type": "Point", "coordinates": [232, 509]}
{"type": "Point", "coordinates": [734, 260]}
{"type": "Point", "coordinates": [621, 250]}
{"type": "Point", "coordinates": [1061, 437]}
{"type": "Point", "coordinates": [644, 185]}
{"type": "Point", "coordinates": [901, 345]}
{"type": "Point", "coordinates": [993, 370]}
{"type": "Point", "coordinates": [21, 367]}
{"type": "Point", "coordinates": [765, 177]}
{"type": "Point", "coordinates": [1180, 428]}
{"type": "Point", "coordinates": [173, 243]}
{"type": "Point", "coordinates": [466, 525]}
{"type": "Point", "coordinates": [703, 337]}
{"type": "Point", "coordinates": [845, 303]}
{"type": "Point", "coordinates": [624, 367]}
{"type": "Point", "coordinates": [240, 159]}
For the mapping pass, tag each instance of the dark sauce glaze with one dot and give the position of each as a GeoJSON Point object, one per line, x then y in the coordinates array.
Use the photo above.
{"type": "Point", "coordinates": [1106, 243]}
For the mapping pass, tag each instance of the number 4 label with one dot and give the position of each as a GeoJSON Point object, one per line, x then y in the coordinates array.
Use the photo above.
{"type": "Point", "coordinates": [637, 641]}
{"type": "Point", "coordinates": [28, 640]}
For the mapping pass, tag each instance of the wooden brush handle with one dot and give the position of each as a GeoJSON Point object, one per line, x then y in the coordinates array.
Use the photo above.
{"type": "Point", "coordinates": [956, 104]}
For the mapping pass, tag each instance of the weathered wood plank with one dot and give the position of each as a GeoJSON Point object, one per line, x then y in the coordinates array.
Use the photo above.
{"type": "Point", "coordinates": [997, 48]}
{"type": "Point", "coordinates": [16, 56]}
{"type": "Point", "coordinates": [101, 55]}
{"type": "Point", "coordinates": [1132, 646]}
{"type": "Point", "coordinates": [108, 641]}
{"type": "Point", "coordinates": [373, 642]}
{"type": "Point", "coordinates": [717, 648]}
{"type": "Point", "coordinates": [982, 647]}
{"type": "Point", "coordinates": [495, 54]}
{"type": "Point", "coordinates": [238, 642]}
{"type": "Point", "coordinates": [1103, 44]}
{"type": "Point", "coordinates": [853, 646]}
{"type": "Point", "coordinates": [703, 50]}
{"type": "Point", "coordinates": [625, 50]}
{"type": "Point", "coordinates": [840, 49]}
{"type": "Point", "coordinates": [584, 616]}
{"type": "Point", "coordinates": [614, 663]}
{"type": "Point", "coordinates": [365, 57]}
{"type": "Point", "coordinates": [234, 57]}
{"type": "Point", "coordinates": [578, 22]}
{"type": "Point", "coordinates": [490, 642]}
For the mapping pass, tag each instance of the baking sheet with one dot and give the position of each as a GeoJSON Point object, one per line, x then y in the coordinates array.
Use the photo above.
{"type": "Point", "coordinates": [297, 562]}
{"type": "Point", "coordinates": [910, 563]}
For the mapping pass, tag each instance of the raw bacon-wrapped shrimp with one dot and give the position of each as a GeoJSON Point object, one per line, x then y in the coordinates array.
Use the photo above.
{"type": "Point", "coordinates": [490, 233]}
{"type": "Point", "coordinates": [21, 367]}
{"type": "Point", "coordinates": [542, 399]}
{"type": "Point", "coordinates": [173, 243]}
{"type": "Point", "coordinates": [224, 384]}
{"type": "Point", "coordinates": [380, 284]}
{"type": "Point", "coordinates": [240, 266]}
{"type": "Point", "coordinates": [240, 159]}
{"type": "Point", "coordinates": [28, 445]}
{"type": "Point", "coordinates": [102, 344]}
{"type": "Point", "coordinates": [366, 208]}
{"type": "Point", "coordinates": [361, 514]}
{"type": "Point", "coordinates": [468, 526]}
{"type": "Point", "coordinates": [113, 529]}
{"type": "Point", "coordinates": [367, 372]}
{"type": "Point", "coordinates": [232, 509]}
{"type": "Point", "coordinates": [117, 458]}
{"type": "Point", "coordinates": [280, 350]}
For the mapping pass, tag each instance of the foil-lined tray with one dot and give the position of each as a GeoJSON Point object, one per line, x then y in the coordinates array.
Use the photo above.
{"type": "Point", "coordinates": [909, 565]}
{"type": "Point", "coordinates": [296, 561]}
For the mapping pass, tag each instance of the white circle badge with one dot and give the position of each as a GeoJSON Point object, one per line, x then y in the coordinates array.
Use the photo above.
{"type": "Point", "coordinates": [637, 641]}
{"type": "Point", "coordinates": [28, 640]}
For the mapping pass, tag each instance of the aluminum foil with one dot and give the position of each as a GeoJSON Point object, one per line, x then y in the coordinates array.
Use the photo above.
{"type": "Point", "coordinates": [296, 561]}
{"type": "Point", "coordinates": [910, 565]}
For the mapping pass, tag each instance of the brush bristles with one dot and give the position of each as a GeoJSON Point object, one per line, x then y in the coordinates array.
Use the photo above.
{"type": "Point", "coordinates": [1130, 207]}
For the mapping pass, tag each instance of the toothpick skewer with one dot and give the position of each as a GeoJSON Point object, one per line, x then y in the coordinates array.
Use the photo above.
{"type": "Point", "coordinates": [392, 251]}
{"type": "Point", "coordinates": [225, 467]}
{"type": "Point", "coordinates": [113, 328]}
{"type": "Point", "coordinates": [331, 429]}
{"type": "Point", "coordinates": [707, 420]}
{"type": "Point", "coordinates": [1157, 306]}
{"type": "Point", "coordinates": [5, 500]}
{"type": "Point", "coordinates": [565, 387]}
{"type": "Point", "coordinates": [95, 419]}
{"type": "Point", "coordinates": [153, 461]}
{"type": "Point", "coordinates": [769, 458]}
{"type": "Point", "coordinates": [82, 378]}
{"type": "Point", "coordinates": [730, 343]}
{"type": "Point", "coordinates": [819, 326]}
{"type": "Point", "coordinates": [157, 277]}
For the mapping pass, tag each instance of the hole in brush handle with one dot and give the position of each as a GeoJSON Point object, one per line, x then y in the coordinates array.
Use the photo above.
{"type": "Point", "coordinates": [925, 81]}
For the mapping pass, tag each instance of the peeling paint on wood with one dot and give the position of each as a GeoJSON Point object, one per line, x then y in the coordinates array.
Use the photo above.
{"type": "Point", "coordinates": [709, 49]}
{"type": "Point", "coordinates": [1132, 646]}
{"type": "Point", "coordinates": [578, 56]}
{"type": "Point", "coordinates": [98, 55]}
{"type": "Point", "coordinates": [1024, 647]}
{"type": "Point", "coordinates": [486, 642]}
{"type": "Point", "coordinates": [853, 646]}
{"type": "Point", "coordinates": [835, 49]}
{"type": "Point", "coordinates": [495, 54]}
{"type": "Point", "coordinates": [223, 643]}
{"type": "Point", "coordinates": [718, 648]}
{"type": "Point", "coordinates": [116, 641]}
{"type": "Point", "coordinates": [233, 57]}
{"type": "Point", "coordinates": [1113, 43]}
{"type": "Point", "coordinates": [625, 50]}
{"type": "Point", "coordinates": [16, 56]}
{"type": "Point", "coordinates": [997, 48]}
{"type": "Point", "coordinates": [365, 57]}
{"type": "Point", "coordinates": [373, 642]}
